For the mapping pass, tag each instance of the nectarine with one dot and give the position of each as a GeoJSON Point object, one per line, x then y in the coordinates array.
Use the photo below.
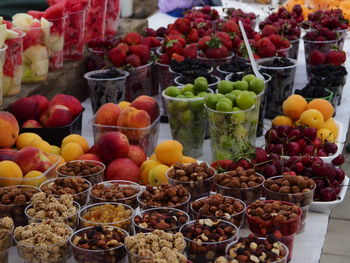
{"type": "Point", "coordinates": [131, 117]}
{"type": "Point", "coordinates": [26, 108]}
{"type": "Point", "coordinates": [43, 102]}
{"type": "Point", "coordinates": [108, 114]}
{"type": "Point", "coordinates": [123, 169]}
{"type": "Point", "coordinates": [69, 101]}
{"type": "Point", "coordinates": [9, 129]}
{"type": "Point", "coordinates": [147, 104]}
{"type": "Point", "coordinates": [90, 156]}
{"type": "Point", "coordinates": [136, 154]}
{"type": "Point", "coordinates": [112, 145]}
{"type": "Point", "coordinates": [56, 116]}
{"type": "Point", "coordinates": [30, 158]}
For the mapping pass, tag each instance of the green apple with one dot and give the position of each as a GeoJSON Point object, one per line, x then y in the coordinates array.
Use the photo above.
{"type": "Point", "coordinates": [225, 86]}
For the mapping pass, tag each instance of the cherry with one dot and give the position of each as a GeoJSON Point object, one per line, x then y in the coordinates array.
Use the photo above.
{"type": "Point", "coordinates": [298, 10]}
{"type": "Point", "coordinates": [293, 148]}
{"type": "Point", "coordinates": [339, 160]}
{"type": "Point", "coordinates": [330, 147]}
{"type": "Point", "coordinates": [292, 160]}
{"type": "Point", "coordinates": [309, 149]}
{"type": "Point", "coordinates": [317, 143]}
{"type": "Point", "coordinates": [294, 134]}
{"type": "Point", "coordinates": [260, 155]}
{"type": "Point", "coordinates": [340, 174]}
{"type": "Point", "coordinates": [306, 161]}
{"type": "Point", "coordinates": [298, 167]}
{"type": "Point", "coordinates": [331, 174]}
{"type": "Point", "coordinates": [278, 148]}
{"type": "Point", "coordinates": [244, 164]}
{"type": "Point", "coordinates": [270, 171]}
{"type": "Point", "coordinates": [328, 194]}
{"type": "Point", "coordinates": [320, 184]}
{"type": "Point", "coordinates": [279, 166]}
{"type": "Point", "coordinates": [283, 130]}
{"type": "Point", "coordinates": [272, 136]}
{"type": "Point", "coordinates": [336, 187]}
{"type": "Point", "coordinates": [319, 170]}
{"type": "Point", "coordinates": [302, 143]}
{"type": "Point", "coordinates": [310, 133]}
{"type": "Point", "coordinates": [321, 153]}
{"type": "Point", "coordinates": [274, 156]}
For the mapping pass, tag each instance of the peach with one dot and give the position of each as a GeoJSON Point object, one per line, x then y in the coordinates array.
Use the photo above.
{"type": "Point", "coordinates": [123, 169]}
{"type": "Point", "coordinates": [30, 158]}
{"type": "Point", "coordinates": [136, 154]}
{"type": "Point", "coordinates": [157, 175]}
{"type": "Point", "coordinates": [112, 145]}
{"type": "Point", "coordinates": [147, 104]}
{"type": "Point", "coordinates": [42, 145]}
{"type": "Point", "coordinates": [55, 149]}
{"type": "Point", "coordinates": [9, 129]}
{"type": "Point", "coordinates": [25, 139]}
{"type": "Point", "coordinates": [108, 114]}
{"type": "Point", "coordinates": [131, 117]}
{"type": "Point", "coordinates": [31, 124]}
{"type": "Point", "coordinates": [69, 101]}
{"type": "Point", "coordinates": [34, 178]}
{"type": "Point", "coordinates": [145, 168]}
{"type": "Point", "coordinates": [90, 156]}
{"type": "Point", "coordinates": [56, 116]}
{"type": "Point", "coordinates": [26, 108]}
{"type": "Point", "coordinates": [71, 151]}
{"type": "Point", "coordinates": [169, 152]}
{"type": "Point", "coordinates": [43, 102]}
{"type": "Point", "coordinates": [9, 169]}
{"type": "Point", "coordinates": [77, 139]}
{"type": "Point", "coordinates": [124, 104]}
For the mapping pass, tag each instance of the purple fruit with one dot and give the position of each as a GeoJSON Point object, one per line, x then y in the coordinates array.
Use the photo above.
{"type": "Point", "coordinates": [321, 153]}
{"type": "Point", "coordinates": [339, 160]}
{"type": "Point", "coordinates": [306, 161]}
{"type": "Point", "coordinates": [331, 174]}
{"type": "Point", "coordinates": [320, 184]}
{"type": "Point", "coordinates": [328, 194]}
{"type": "Point", "coordinates": [310, 133]}
{"type": "Point", "coordinates": [292, 160]}
{"type": "Point", "coordinates": [283, 130]}
{"type": "Point", "coordinates": [271, 136]}
{"type": "Point", "coordinates": [298, 167]}
{"type": "Point", "coordinates": [293, 148]}
{"type": "Point", "coordinates": [270, 171]}
{"type": "Point", "coordinates": [274, 156]}
{"type": "Point", "coordinates": [309, 149]}
{"type": "Point", "coordinates": [340, 174]}
{"type": "Point", "coordinates": [278, 148]}
{"type": "Point", "coordinates": [319, 170]}
{"type": "Point", "coordinates": [330, 147]}
{"type": "Point", "coordinates": [302, 143]}
{"type": "Point", "coordinates": [260, 155]}
{"type": "Point", "coordinates": [336, 187]}
{"type": "Point", "coordinates": [294, 134]}
{"type": "Point", "coordinates": [279, 166]}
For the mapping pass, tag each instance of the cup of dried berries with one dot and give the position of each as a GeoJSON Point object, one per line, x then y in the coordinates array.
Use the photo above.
{"type": "Point", "coordinates": [162, 218]}
{"type": "Point", "coordinates": [116, 191]}
{"type": "Point", "coordinates": [99, 244]}
{"type": "Point", "coordinates": [219, 207]}
{"type": "Point", "coordinates": [246, 185]}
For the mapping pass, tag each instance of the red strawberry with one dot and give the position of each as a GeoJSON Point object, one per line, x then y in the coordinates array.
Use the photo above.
{"type": "Point", "coordinates": [216, 49]}
{"type": "Point", "coordinates": [190, 51]}
{"type": "Point", "coordinates": [222, 164]}
{"type": "Point", "coordinates": [123, 47]}
{"type": "Point", "coordinates": [317, 58]}
{"type": "Point", "coordinates": [265, 48]}
{"type": "Point", "coordinates": [269, 30]}
{"type": "Point", "coordinates": [236, 41]}
{"type": "Point", "coordinates": [155, 42]}
{"type": "Point", "coordinates": [133, 60]}
{"type": "Point", "coordinates": [132, 38]}
{"type": "Point", "coordinates": [150, 32]}
{"type": "Point", "coordinates": [142, 51]}
{"type": "Point", "coordinates": [183, 25]}
{"type": "Point", "coordinates": [164, 59]}
{"type": "Point", "coordinates": [117, 57]}
{"type": "Point", "coordinates": [173, 46]}
{"type": "Point", "coordinates": [177, 57]}
{"type": "Point", "coordinates": [146, 41]}
{"type": "Point", "coordinates": [193, 36]}
{"type": "Point", "coordinates": [203, 42]}
{"type": "Point", "coordinates": [336, 57]}
{"type": "Point", "coordinates": [231, 27]}
{"type": "Point", "coordinates": [277, 40]}
{"type": "Point", "coordinates": [225, 39]}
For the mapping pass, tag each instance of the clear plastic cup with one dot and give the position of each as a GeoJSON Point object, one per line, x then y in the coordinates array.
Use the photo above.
{"type": "Point", "coordinates": [5, 243]}
{"type": "Point", "coordinates": [71, 220]}
{"type": "Point", "coordinates": [180, 81]}
{"type": "Point", "coordinates": [81, 198]}
{"type": "Point", "coordinates": [104, 90]}
{"type": "Point", "coordinates": [56, 44]}
{"type": "Point", "coordinates": [2, 61]}
{"type": "Point", "coordinates": [280, 86]}
{"type": "Point", "coordinates": [13, 68]}
{"type": "Point", "coordinates": [139, 82]}
{"type": "Point", "coordinates": [112, 17]}
{"type": "Point", "coordinates": [341, 38]}
{"type": "Point", "coordinates": [215, 62]}
{"type": "Point", "coordinates": [4, 256]}
{"type": "Point", "coordinates": [139, 228]}
{"type": "Point", "coordinates": [229, 132]}
{"type": "Point", "coordinates": [131, 201]}
{"type": "Point", "coordinates": [294, 51]}
{"type": "Point", "coordinates": [95, 20]}
{"type": "Point", "coordinates": [329, 97]}
{"type": "Point", "coordinates": [74, 36]}
{"type": "Point", "coordinates": [188, 122]}
{"type": "Point", "coordinates": [36, 54]}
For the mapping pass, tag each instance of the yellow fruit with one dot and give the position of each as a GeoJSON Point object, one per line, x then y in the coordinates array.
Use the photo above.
{"type": "Point", "coordinates": [77, 139]}
{"type": "Point", "coordinates": [294, 106]}
{"type": "Point", "coordinates": [42, 145]}
{"type": "Point", "coordinates": [157, 175]}
{"type": "Point", "coordinates": [34, 178]}
{"type": "Point", "coordinates": [282, 120]}
{"type": "Point", "coordinates": [153, 157]}
{"type": "Point", "coordinates": [71, 151]}
{"type": "Point", "coordinates": [9, 169]}
{"type": "Point", "coordinates": [124, 104]}
{"type": "Point", "coordinates": [323, 106]}
{"type": "Point", "coordinates": [332, 126]}
{"type": "Point", "coordinates": [188, 159]}
{"type": "Point", "coordinates": [55, 149]}
{"type": "Point", "coordinates": [325, 134]}
{"type": "Point", "coordinates": [312, 118]}
{"type": "Point", "coordinates": [169, 152]}
{"type": "Point", "coordinates": [146, 166]}
{"type": "Point", "coordinates": [24, 139]}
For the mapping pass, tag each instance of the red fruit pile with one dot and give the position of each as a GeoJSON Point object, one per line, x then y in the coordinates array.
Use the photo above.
{"type": "Point", "coordinates": [332, 19]}
{"type": "Point", "coordinates": [202, 14]}
{"type": "Point", "coordinates": [333, 57]}
{"type": "Point", "coordinates": [323, 34]}
{"type": "Point", "coordinates": [238, 14]}
{"type": "Point", "coordinates": [150, 32]}
{"type": "Point", "coordinates": [216, 46]}
{"type": "Point", "coordinates": [297, 141]}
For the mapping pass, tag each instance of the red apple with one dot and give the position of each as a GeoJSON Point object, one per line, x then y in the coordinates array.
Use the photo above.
{"type": "Point", "coordinates": [69, 101]}
{"type": "Point", "coordinates": [56, 116]}
{"type": "Point", "coordinates": [31, 124]}
{"type": "Point", "coordinates": [43, 102]}
{"type": "Point", "coordinates": [136, 154]}
{"type": "Point", "coordinates": [123, 169]}
{"type": "Point", "coordinates": [31, 158]}
{"type": "Point", "coordinates": [112, 145]}
{"type": "Point", "coordinates": [90, 156]}
{"type": "Point", "coordinates": [25, 109]}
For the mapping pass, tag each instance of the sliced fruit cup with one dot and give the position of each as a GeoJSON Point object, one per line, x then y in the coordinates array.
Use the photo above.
{"type": "Point", "coordinates": [206, 252]}
{"type": "Point", "coordinates": [112, 17]}
{"type": "Point", "coordinates": [16, 211]}
{"type": "Point", "coordinates": [281, 84]}
{"type": "Point", "coordinates": [146, 138]}
{"type": "Point", "coordinates": [212, 83]}
{"type": "Point", "coordinates": [35, 54]}
{"type": "Point", "coordinates": [13, 68]}
{"type": "Point", "coordinates": [2, 61]}
{"type": "Point", "coordinates": [229, 132]}
{"type": "Point", "coordinates": [139, 81]}
{"type": "Point", "coordinates": [74, 36]}
{"type": "Point", "coordinates": [247, 195]}
{"type": "Point", "coordinates": [58, 252]}
{"type": "Point", "coordinates": [294, 51]}
{"type": "Point", "coordinates": [71, 220]}
{"type": "Point", "coordinates": [93, 178]}
{"type": "Point", "coordinates": [95, 20]}
{"type": "Point", "coordinates": [170, 212]}
{"type": "Point", "coordinates": [188, 122]}
{"type": "Point", "coordinates": [237, 218]}
{"type": "Point", "coordinates": [104, 90]}
{"type": "Point", "coordinates": [215, 62]}
{"type": "Point", "coordinates": [125, 223]}
{"type": "Point", "coordinates": [131, 201]}
{"type": "Point", "coordinates": [81, 198]}
{"type": "Point", "coordinates": [111, 255]}
{"type": "Point", "coordinates": [329, 97]}
{"type": "Point", "coordinates": [56, 44]}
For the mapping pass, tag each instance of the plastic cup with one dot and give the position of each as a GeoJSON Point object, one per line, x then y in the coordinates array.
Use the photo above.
{"type": "Point", "coordinates": [181, 81]}
{"type": "Point", "coordinates": [146, 138]}
{"type": "Point", "coordinates": [206, 252]}
{"type": "Point", "coordinates": [71, 220]}
{"type": "Point", "coordinates": [139, 82]}
{"type": "Point", "coordinates": [2, 61]}
{"type": "Point", "coordinates": [4, 256]}
{"type": "Point", "coordinates": [104, 90]}
{"type": "Point", "coordinates": [5, 243]}
{"type": "Point", "coordinates": [280, 86]}
{"type": "Point", "coordinates": [74, 36]}
{"type": "Point", "coordinates": [294, 51]}
{"type": "Point", "coordinates": [13, 68]}
{"type": "Point", "coordinates": [125, 224]}
{"type": "Point", "coordinates": [162, 210]}
{"type": "Point", "coordinates": [81, 198]}
{"type": "Point", "coordinates": [112, 17]}
{"type": "Point", "coordinates": [131, 201]}
{"type": "Point", "coordinates": [215, 62]}
{"type": "Point", "coordinates": [329, 97]}
{"type": "Point", "coordinates": [95, 20]}
{"type": "Point", "coordinates": [56, 44]}
{"type": "Point", "coordinates": [341, 38]}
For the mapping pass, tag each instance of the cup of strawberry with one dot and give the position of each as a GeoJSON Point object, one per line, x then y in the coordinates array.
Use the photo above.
{"type": "Point", "coordinates": [112, 17]}
{"type": "Point", "coordinates": [95, 19]}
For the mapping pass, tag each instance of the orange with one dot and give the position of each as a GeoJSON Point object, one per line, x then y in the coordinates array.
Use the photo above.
{"type": "Point", "coordinates": [71, 151]}
{"type": "Point", "coordinates": [188, 159]}
{"type": "Point", "coordinates": [332, 126]}
{"type": "Point", "coordinates": [294, 106]}
{"type": "Point", "coordinates": [322, 105]}
{"type": "Point", "coordinates": [169, 152]}
{"type": "Point", "coordinates": [34, 178]}
{"type": "Point", "coordinates": [146, 166]}
{"type": "Point", "coordinates": [24, 139]}
{"type": "Point", "coordinates": [312, 118]}
{"type": "Point", "coordinates": [282, 120]}
{"type": "Point", "coordinates": [9, 169]}
{"type": "Point", "coordinates": [77, 139]}
{"type": "Point", "coordinates": [325, 134]}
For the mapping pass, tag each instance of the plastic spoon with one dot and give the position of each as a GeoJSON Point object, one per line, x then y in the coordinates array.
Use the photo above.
{"type": "Point", "coordinates": [250, 53]}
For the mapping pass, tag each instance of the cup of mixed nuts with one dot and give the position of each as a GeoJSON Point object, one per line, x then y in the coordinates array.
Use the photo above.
{"type": "Point", "coordinates": [6, 231]}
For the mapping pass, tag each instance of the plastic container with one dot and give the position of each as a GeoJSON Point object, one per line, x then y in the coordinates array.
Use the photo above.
{"type": "Point", "coordinates": [112, 255]}
{"type": "Point", "coordinates": [4, 256]}
{"type": "Point", "coordinates": [71, 220]}
{"type": "Point", "coordinates": [131, 201]}
{"type": "Point", "coordinates": [280, 86]}
{"type": "Point", "coordinates": [294, 50]}
{"type": "Point", "coordinates": [146, 138]}
{"type": "Point", "coordinates": [229, 132]}
{"type": "Point", "coordinates": [95, 20]}
{"type": "Point", "coordinates": [188, 122]}
{"type": "Point", "coordinates": [112, 17]}
{"type": "Point", "coordinates": [179, 81]}
{"type": "Point", "coordinates": [104, 90]}
{"type": "Point", "coordinates": [139, 82]}
{"type": "Point", "coordinates": [13, 68]}
{"type": "Point", "coordinates": [7, 154]}
{"type": "Point", "coordinates": [5, 243]}
{"type": "Point", "coordinates": [197, 189]}
{"type": "Point", "coordinates": [81, 198]}
{"type": "Point", "coordinates": [171, 211]}
{"type": "Point", "coordinates": [56, 44]}
{"type": "Point", "coordinates": [329, 97]}
{"type": "Point", "coordinates": [2, 61]}
{"type": "Point", "coordinates": [206, 252]}
{"type": "Point", "coordinates": [237, 218]}
{"type": "Point", "coordinates": [135, 258]}
{"type": "Point", "coordinates": [215, 62]}
{"type": "Point", "coordinates": [341, 38]}
{"type": "Point", "coordinates": [55, 135]}
{"type": "Point", "coordinates": [125, 224]}
{"type": "Point", "coordinates": [94, 178]}
{"type": "Point", "coordinates": [74, 36]}
{"type": "Point", "coordinates": [36, 54]}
